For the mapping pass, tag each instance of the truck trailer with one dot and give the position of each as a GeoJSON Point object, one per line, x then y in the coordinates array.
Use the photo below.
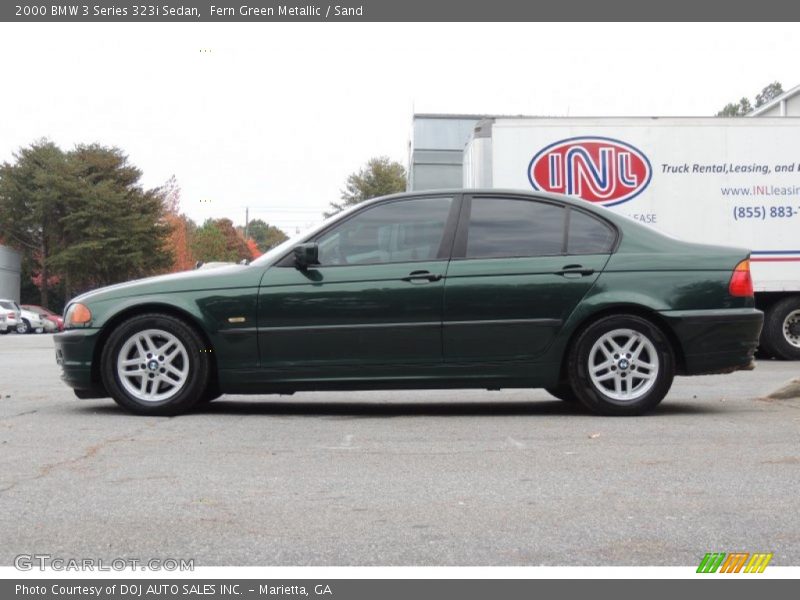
{"type": "Point", "coordinates": [728, 181]}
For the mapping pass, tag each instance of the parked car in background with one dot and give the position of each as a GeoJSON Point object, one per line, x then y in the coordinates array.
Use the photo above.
{"type": "Point", "coordinates": [447, 289]}
{"type": "Point", "coordinates": [47, 314]}
{"type": "Point", "coordinates": [3, 323]}
{"type": "Point", "coordinates": [49, 326]}
{"type": "Point", "coordinates": [11, 311]}
{"type": "Point", "coordinates": [31, 322]}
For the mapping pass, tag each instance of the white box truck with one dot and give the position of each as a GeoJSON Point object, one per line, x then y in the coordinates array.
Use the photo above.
{"type": "Point", "coordinates": [732, 181]}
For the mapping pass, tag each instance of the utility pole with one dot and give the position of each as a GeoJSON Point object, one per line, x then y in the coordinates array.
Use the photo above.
{"type": "Point", "coordinates": [246, 222]}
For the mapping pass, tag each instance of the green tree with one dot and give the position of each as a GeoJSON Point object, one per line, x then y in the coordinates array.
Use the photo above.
{"type": "Point", "coordinates": [770, 92]}
{"type": "Point", "coordinates": [32, 192]}
{"type": "Point", "coordinates": [743, 106]}
{"type": "Point", "coordinates": [81, 218]}
{"type": "Point", "coordinates": [379, 177]}
{"type": "Point", "coordinates": [218, 240]}
{"type": "Point", "coordinates": [265, 236]}
{"type": "Point", "coordinates": [208, 243]}
{"type": "Point", "coordinates": [738, 109]}
{"type": "Point", "coordinates": [112, 229]}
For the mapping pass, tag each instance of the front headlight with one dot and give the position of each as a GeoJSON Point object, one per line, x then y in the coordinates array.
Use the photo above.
{"type": "Point", "coordinates": [78, 315]}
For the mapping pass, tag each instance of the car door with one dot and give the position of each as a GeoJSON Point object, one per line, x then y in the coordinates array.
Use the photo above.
{"type": "Point", "coordinates": [519, 269]}
{"type": "Point", "coordinates": [375, 298]}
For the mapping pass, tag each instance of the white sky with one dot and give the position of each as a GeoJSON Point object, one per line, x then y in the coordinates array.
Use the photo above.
{"type": "Point", "coordinates": [276, 116]}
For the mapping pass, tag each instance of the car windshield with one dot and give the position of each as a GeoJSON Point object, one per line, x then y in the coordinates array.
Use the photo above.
{"type": "Point", "coordinates": [271, 255]}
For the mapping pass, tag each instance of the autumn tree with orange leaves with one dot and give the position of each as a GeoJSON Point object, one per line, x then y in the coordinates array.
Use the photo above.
{"type": "Point", "coordinates": [181, 228]}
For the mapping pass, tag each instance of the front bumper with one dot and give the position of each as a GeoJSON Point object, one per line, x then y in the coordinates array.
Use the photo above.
{"type": "Point", "coordinates": [716, 341]}
{"type": "Point", "coordinates": [75, 354]}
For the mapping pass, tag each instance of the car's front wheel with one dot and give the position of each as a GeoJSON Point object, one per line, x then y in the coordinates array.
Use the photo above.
{"type": "Point", "coordinates": [155, 364]}
{"type": "Point", "coordinates": [23, 326]}
{"type": "Point", "coordinates": [621, 365]}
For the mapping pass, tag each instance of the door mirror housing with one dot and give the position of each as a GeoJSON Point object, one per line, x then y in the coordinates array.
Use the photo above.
{"type": "Point", "coordinates": [306, 255]}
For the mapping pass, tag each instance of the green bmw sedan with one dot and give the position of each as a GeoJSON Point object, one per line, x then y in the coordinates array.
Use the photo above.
{"type": "Point", "coordinates": [447, 289]}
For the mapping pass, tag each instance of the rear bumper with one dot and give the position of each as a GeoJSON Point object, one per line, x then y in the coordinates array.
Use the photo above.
{"type": "Point", "coordinates": [716, 341]}
{"type": "Point", "coordinates": [74, 353]}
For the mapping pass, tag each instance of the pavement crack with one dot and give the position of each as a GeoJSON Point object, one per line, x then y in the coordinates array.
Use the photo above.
{"type": "Point", "coordinates": [88, 454]}
{"type": "Point", "coordinates": [22, 414]}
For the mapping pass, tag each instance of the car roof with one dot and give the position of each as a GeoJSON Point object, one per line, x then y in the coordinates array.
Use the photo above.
{"type": "Point", "coordinates": [532, 194]}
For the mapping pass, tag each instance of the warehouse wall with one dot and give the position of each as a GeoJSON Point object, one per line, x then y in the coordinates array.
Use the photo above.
{"type": "Point", "coordinates": [437, 149]}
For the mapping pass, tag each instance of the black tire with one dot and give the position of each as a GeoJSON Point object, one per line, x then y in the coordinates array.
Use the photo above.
{"type": "Point", "coordinates": [782, 329]}
{"type": "Point", "coordinates": [24, 326]}
{"type": "Point", "coordinates": [586, 351]}
{"type": "Point", "coordinates": [563, 392]}
{"type": "Point", "coordinates": [193, 361]}
{"type": "Point", "coordinates": [762, 353]}
{"type": "Point", "coordinates": [212, 393]}
{"type": "Point", "coordinates": [5, 331]}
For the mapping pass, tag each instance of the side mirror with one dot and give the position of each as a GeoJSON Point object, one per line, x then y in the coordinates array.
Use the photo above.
{"type": "Point", "coordinates": [306, 255]}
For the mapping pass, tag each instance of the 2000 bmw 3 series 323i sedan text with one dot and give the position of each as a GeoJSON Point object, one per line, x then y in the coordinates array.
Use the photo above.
{"type": "Point", "coordinates": [454, 289]}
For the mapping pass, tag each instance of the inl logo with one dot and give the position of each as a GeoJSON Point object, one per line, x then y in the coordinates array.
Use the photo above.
{"type": "Point", "coordinates": [597, 169]}
{"type": "Point", "coordinates": [714, 562]}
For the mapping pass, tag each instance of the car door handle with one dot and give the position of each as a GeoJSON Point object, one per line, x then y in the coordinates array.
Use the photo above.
{"type": "Point", "coordinates": [421, 277]}
{"type": "Point", "coordinates": [575, 271]}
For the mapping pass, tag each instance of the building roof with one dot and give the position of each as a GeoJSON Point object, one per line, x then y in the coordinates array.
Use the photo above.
{"type": "Point", "coordinates": [475, 117]}
{"type": "Point", "coordinates": [776, 101]}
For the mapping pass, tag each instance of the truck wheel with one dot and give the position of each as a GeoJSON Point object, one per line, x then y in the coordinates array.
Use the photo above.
{"type": "Point", "coordinates": [781, 334]}
{"type": "Point", "coordinates": [621, 365]}
{"type": "Point", "coordinates": [155, 364]}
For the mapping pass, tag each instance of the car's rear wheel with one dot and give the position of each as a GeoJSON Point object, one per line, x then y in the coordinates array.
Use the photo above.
{"type": "Point", "coordinates": [155, 364]}
{"type": "Point", "coordinates": [781, 335]}
{"type": "Point", "coordinates": [23, 326]}
{"type": "Point", "coordinates": [621, 365]}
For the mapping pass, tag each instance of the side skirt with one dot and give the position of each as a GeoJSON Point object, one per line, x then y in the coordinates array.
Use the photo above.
{"type": "Point", "coordinates": [462, 376]}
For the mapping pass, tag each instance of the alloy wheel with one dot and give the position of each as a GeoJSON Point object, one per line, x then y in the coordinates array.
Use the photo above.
{"type": "Point", "coordinates": [623, 365]}
{"type": "Point", "coordinates": [152, 365]}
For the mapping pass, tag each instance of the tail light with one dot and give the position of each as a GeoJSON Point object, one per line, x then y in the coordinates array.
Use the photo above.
{"type": "Point", "coordinates": [741, 284]}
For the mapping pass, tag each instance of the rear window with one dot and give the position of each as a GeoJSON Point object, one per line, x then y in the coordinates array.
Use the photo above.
{"type": "Point", "coordinates": [8, 305]}
{"type": "Point", "coordinates": [588, 235]}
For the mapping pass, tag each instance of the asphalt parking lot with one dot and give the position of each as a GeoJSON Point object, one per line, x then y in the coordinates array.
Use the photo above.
{"type": "Point", "coordinates": [398, 478]}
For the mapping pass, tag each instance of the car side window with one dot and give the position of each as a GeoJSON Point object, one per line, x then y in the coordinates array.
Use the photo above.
{"type": "Point", "coordinates": [505, 227]}
{"type": "Point", "coordinates": [588, 235]}
{"type": "Point", "coordinates": [402, 231]}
